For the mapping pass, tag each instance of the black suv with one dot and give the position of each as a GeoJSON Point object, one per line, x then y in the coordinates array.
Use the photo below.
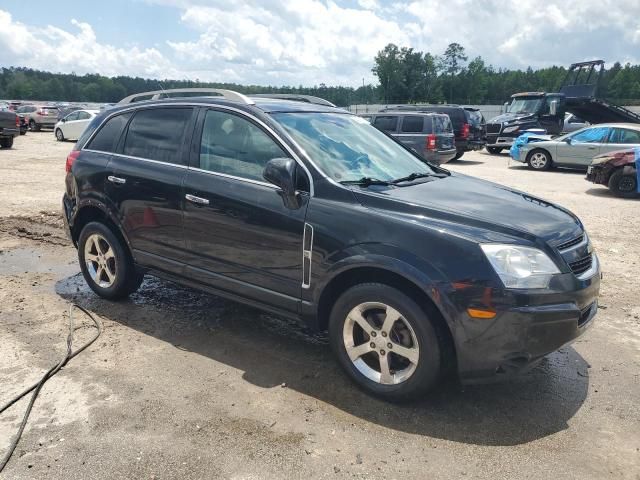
{"type": "Point", "coordinates": [308, 211]}
{"type": "Point", "coordinates": [460, 119]}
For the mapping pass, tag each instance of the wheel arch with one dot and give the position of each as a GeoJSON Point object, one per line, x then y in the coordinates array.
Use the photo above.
{"type": "Point", "coordinates": [541, 149]}
{"type": "Point", "coordinates": [96, 211]}
{"type": "Point", "coordinates": [424, 292]}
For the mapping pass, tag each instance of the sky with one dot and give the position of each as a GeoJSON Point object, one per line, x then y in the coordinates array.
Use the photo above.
{"type": "Point", "coordinates": [305, 42]}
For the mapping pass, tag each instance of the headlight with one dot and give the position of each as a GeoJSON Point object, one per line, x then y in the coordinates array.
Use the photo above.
{"type": "Point", "coordinates": [511, 129]}
{"type": "Point", "coordinates": [520, 267]}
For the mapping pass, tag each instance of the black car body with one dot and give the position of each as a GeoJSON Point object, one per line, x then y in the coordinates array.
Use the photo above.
{"type": "Point", "coordinates": [459, 119]}
{"type": "Point", "coordinates": [9, 128]}
{"type": "Point", "coordinates": [167, 187]}
{"type": "Point", "coordinates": [477, 128]}
{"type": "Point", "coordinates": [429, 134]}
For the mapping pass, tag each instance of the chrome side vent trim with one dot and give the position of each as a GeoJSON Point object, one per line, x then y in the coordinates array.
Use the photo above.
{"type": "Point", "coordinates": [307, 250]}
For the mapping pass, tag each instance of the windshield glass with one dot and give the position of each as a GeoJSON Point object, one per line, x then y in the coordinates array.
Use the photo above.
{"type": "Point", "coordinates": [525, 105]}
{"type": "Point", "coordinates": [348, 148]}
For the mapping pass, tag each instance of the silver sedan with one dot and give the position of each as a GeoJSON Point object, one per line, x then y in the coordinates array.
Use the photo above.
{"type": "Point", "coordinates": [576, 149]}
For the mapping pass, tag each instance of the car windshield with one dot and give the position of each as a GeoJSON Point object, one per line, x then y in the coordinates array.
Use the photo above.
{"type": "Point", "coordinates": [524, 105]}
{"type": "Point", "coordinates": [348, 148]}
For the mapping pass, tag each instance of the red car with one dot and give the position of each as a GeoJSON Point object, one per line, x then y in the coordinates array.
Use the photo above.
{"type": "Point", "coordinates": [618, 171]}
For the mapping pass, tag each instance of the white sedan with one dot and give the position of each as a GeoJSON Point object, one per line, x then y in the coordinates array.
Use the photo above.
{"type": "Point", "coordinates": [73, 125]}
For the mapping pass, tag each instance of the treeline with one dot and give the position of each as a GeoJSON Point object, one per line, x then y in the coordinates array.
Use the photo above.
{"type": "Point", "coordinates": [404, 75]}
{"type": "Point", "coordinates": [410, 76]}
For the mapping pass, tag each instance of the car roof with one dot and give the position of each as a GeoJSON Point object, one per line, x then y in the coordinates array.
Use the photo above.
{"type": "Point", "coordinates": [409, 112]}
{"type": "Point", "coordinates": [633, 126]}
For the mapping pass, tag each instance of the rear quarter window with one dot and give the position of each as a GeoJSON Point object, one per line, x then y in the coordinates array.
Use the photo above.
{"type": "Point", "coordinates": [412, 124]}
{"type": "Point", "coordinates": [106, 140]}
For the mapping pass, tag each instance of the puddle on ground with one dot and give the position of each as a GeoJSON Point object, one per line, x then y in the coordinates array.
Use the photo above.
{"type": "Point", "coordinates": [20, 260]}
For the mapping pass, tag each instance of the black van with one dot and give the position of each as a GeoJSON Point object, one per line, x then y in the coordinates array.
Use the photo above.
{"type": "Point", "coordinates": [429, 134]}
{"type": "Point", "coordinates": [305, 210]}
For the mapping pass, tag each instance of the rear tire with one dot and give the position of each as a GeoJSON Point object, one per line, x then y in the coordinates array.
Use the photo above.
{"type": "Point", "coordinates": [59, 135]}
{"type": "Point", "coordinates": [6, 142]}
{"type": "Point", "coordinates": [494, 150]}
{"type": "Point", "coordinates": [106, 264]}
{"type": "Point", "coordinates": [539, 160]}
{"type": "Point", "coordinates": [385, 342]}
{"type": "Point", "coordinates": [624, 185]}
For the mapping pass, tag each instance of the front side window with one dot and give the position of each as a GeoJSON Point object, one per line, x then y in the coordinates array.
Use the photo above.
{"type": "Point", "coordinates": [347, 148]}
{"type": "Point", "coordinates": [386, 123]}
{"type": "Point", "coordinates": [235, 146]}
{"type": "Point", "coordinates": [624, 136]}
{"type": "Point", "coordinates": [590, 135]}
{"type": "Point", "coordinates": [106, 140]}
{"type": "Point", "coordinates": [158, 134]}
{"type": "Point", "coordinates": [72, 116]}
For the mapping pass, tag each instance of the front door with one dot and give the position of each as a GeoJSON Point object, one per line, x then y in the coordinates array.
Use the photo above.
{"type": "Point", "coordinates": [582, 147]}
{"type": "Point", "coordinates": [239, 235]}
{"type": "Point", "coordinates": [145, 181]}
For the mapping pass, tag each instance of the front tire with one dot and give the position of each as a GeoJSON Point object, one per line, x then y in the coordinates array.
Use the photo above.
{"type": "Point", "coordinates": [105, 262]}
{"type": "Point", "coordinates": [624, 185]}
{"type": "Point", "coordinates": [539, 160]}
{"type": "Point", "coordinates": [59, 135]}
{"type": "Point", "coordinates": [385, 342]}
{"type": "Point", "coordinates": [494, 150]}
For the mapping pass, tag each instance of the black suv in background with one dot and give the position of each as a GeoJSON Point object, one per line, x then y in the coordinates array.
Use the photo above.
{"type": "Point", "coordinates": [429, 134]}
{"type": "Point", "coordinates": [477, 128]}
{"type": "Point", "coordinates": [465, 142]}
{"type": "Point", "coordinates": [308, 211]}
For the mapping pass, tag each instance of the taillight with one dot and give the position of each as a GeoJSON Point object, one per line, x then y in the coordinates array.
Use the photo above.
{"type": "Point", "coordinates": [431, 142]}
{"type": "Point", "coordinates": [465, 130]}
{"type": "Point", "coordinates": [70, 159]}
{"type": "Point", "coordinates": [17, 121]}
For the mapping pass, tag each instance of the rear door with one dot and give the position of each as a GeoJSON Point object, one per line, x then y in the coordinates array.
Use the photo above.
{"type": "Point", "coordinates": [621, 138]}
{"type": "Point", "coordinates": [240, 236]}
{"type": "Point", "coordinates": [145, 179]}
{"type": "Point", "coordinates": [84, 118]}
{"type": "Point", "coordinates": [413, 131]}
{"type": "Point", "coordinates": [583, 146]}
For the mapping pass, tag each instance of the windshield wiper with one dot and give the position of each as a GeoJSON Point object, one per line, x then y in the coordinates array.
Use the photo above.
{"type": "Point", "coordinates": [414, 176]}
{"type": "Point", "coordinates": [365, 182]}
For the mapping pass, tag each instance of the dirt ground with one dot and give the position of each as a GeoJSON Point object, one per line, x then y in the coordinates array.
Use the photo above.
{"type": "Point", "coordinates": [186, 385]}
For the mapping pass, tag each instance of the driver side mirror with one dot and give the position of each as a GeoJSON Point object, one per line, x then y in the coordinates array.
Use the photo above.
{"type": "Point", "coordinates": [505, 106]}
{"type": "Point", "coordinates": [63, 120]}
{"type": "Point", "coordinates": [553, 107]}
{"type": "Point", "coordinates": [281, 172]}
{"type": "Point", "coordinates": [567, 140]}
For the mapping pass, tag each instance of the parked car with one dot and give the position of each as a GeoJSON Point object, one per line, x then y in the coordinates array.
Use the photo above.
{"type": "Point", "coordinates": [64, 110]}
{"type": "Point", "coordinates": [9, 128]}
{"type": "Point", "coordinates": [573, 123]}
{"type": "Point", "coordinates": [310, 212]}
{"type": "Point", "coordinates": [459, 120]}
{"type": "Point", "coordinates": [39, 117]}
{"type": "Point", "coordinates": [24, 125]}
{"type": "Point", "coordinates": [73, 125]}
{"type": "Point", "coordinates": [577, 149]}
{"type": "Point", "coordinates": [477, 128]}
{"type": "Point", "coordinates": [618, 171]}
{"type": "Point", "coordinates": [429, 134]}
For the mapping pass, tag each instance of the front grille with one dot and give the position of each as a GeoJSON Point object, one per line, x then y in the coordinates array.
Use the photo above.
{"type": "Point", "coordinates": [570, 243]}
{"type": "Point", "coordinates": [582, 265]}
{"type": "Point", "coordinates": [494, 127]}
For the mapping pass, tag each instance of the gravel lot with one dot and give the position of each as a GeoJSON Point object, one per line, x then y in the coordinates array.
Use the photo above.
{"type": "Point", "coordinates": [187, 385]}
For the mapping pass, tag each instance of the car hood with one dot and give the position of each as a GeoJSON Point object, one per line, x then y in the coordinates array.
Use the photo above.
{"type": "Point", "coordinates": [474, 202]}
{"type": "Point", "coordinates": [513, 117]}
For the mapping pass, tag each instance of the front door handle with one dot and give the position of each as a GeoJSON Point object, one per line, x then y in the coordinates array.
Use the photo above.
{"type": "Point", "coordinates": [196, 200]}
{"type": "Point", "coordinates": [118, 180]}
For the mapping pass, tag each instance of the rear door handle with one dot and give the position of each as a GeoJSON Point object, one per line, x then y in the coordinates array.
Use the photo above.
{"type": "Point", "coordinates": [118, 180]}
{"type": "Point", "coordinates": [196, 200]}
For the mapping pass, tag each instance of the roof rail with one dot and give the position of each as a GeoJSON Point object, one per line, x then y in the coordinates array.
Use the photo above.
{"type": "Point", "coordinates": [297, 98]}
{"type": "Point", "coordinates": [157, 94]}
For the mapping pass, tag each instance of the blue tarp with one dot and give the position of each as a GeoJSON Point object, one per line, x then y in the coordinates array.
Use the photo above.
{"type": "Point", "coordinates": [523, 139]}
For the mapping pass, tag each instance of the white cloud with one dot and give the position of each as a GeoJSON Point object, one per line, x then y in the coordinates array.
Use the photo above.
{"type": "Point", "coordinates": [325, 41]}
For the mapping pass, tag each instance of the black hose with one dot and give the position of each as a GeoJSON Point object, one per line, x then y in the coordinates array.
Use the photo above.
{"type": "Point", "coordinates": [36, 387]}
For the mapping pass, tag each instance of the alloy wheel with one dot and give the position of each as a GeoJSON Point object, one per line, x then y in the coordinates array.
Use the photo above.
{"type": "Point", "coordinates": [627, 184]}
{"type": "Point", "coordinates": [381, 343]}
{"type": "Point", "coordinates": [100, 260]}
{"type": "Point", "coordinates": [538, 160]}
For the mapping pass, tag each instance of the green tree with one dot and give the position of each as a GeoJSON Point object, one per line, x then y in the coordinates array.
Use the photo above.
{"type": "Point", "coordinates": [451, 63]}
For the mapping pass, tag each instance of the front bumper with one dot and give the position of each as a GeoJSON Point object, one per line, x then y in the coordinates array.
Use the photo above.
{"type": "Point", "coordinates": [535, 325]}
{"type": "Point", "coordinates": [597, 174]}
{"type": "Point", "coordinates": [498, 141]}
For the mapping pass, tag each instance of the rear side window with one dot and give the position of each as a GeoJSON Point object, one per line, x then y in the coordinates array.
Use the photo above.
{"type": "Point", "coordinates": [386, 123]}
{"type": "Point", "coordinates": [442, 124]}
{"type": "Point", "coordinates": [622, 135]}
{"type": "Point", "coordinates": [412, 124]}
{"type": "Point", "coordinates": [158, 134]}
{"type": "Point", "coordinates": [84, 116]}
{"type": "Point", "coordinates": [106, 140]}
